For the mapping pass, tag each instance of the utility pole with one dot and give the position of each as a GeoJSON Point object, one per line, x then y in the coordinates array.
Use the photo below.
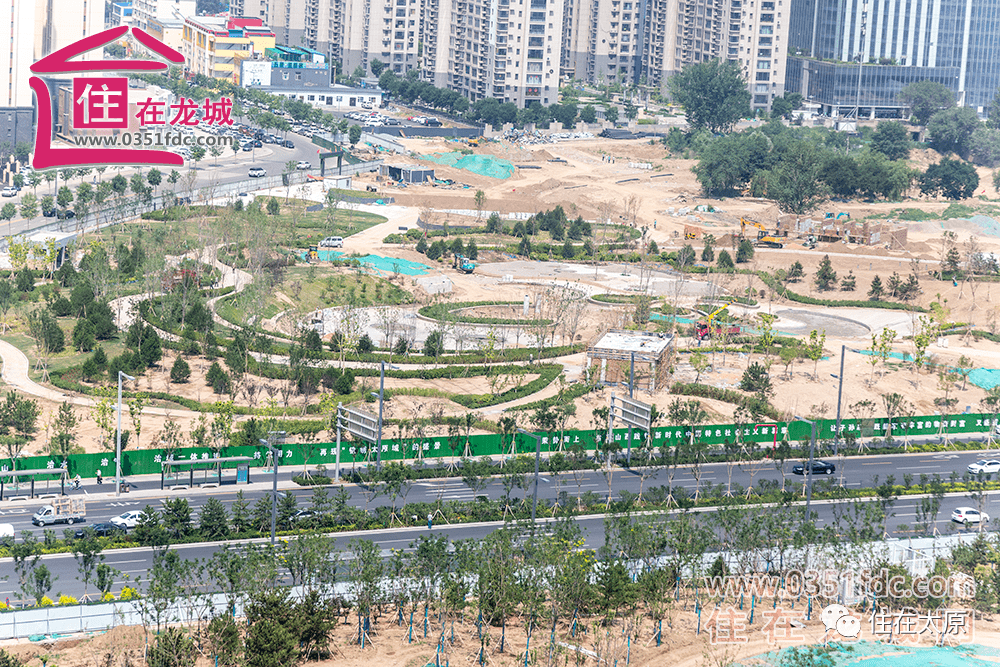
{"type": "Point", "coordinates": [118, 442]}
{"type": "Point", "coordinates": [840, 392]}
{"type": "Point", "coordinates": [538, 454]}
{"type": "Point", "coordinates": [809, 469]}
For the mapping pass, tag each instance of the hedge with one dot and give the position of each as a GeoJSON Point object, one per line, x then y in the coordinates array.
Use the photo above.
{"type": "Point", "coordinates": [571, 394]}
{"type": "Point", "coordinates": [725, 395]}
{"type": "Point", "coordinates": [548, 373]}
{"type": "Point", "coordinates": [772, 282]}
{"type": "Point", "coordinates": [445, 312]}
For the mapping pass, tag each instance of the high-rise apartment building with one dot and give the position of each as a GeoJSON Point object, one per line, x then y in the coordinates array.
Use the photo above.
{"type": "Point", "coordinates": [17, 54]}
{"type": "Point", "coordinates": [517, 50]}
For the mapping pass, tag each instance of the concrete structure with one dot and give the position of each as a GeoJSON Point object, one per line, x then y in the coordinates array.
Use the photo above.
{"type": "Point", "coordinates": [615, 349]}
{"type": "Point", "coordinates": [286, 67]}
{"type": "Point", "coordinates": [59, 23]}
{"type": "Point", "coordinates": [117, 13]}
{"type": "Point", "coordinates": [145, 11]}
{"type": "Point", "coordinates": [338, 97]}
{"type": "Point", "coordinates": [898, 44]}
{"type": "Point", "coordinates": [215, 46]}
{"type": "Point", "coordinates": [409, 173]}
{"type": "Point", "coordinates": [831, 230]}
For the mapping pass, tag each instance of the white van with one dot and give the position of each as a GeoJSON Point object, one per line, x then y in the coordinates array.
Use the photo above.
{"type": "Point", "coordinates": [332, 242]}
{"type": "Point", "coordinates": [6, 531]}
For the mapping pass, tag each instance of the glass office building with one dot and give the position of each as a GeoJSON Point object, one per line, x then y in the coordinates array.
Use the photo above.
{"type": "Point", "coordinates": [954, 42]}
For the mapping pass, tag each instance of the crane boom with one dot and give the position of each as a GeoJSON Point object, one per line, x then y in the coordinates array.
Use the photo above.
{"type": "Point", "coordinates": [764, 238]}
{"type": "Point", "coordinates": [717, 311]}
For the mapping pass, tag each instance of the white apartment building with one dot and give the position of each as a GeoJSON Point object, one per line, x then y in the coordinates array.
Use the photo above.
{"type": "Point", "coordinates": [144, 11]}
{"type": "Point", "coordinates": [517, 50]}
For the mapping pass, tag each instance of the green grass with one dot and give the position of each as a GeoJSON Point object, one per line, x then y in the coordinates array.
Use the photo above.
{"type": "Point", "coordinates": [68, 358]}
{"type": "Point", "coordinates": [314, 287]}
{"type": "Point", "coordinates": [915, 214]}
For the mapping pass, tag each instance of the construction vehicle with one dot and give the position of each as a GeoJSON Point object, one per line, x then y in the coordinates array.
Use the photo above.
{"type": "Point", "coordinates": [474, 142]}
{"type": "Point", "coordinates": [810, 242]}
{"type": "Point", "coordinates": [313, 255]}
{"type": "Point", "coordinates": [764, 238]}
{"type": "Point", "coordinates": [704, 328]}
{"type": "Point", "coordinates": [691, 232]}
{"type": "Point", "coordinates": [464, 264]}
{"type": "Point", "coordinates": [62, 510]}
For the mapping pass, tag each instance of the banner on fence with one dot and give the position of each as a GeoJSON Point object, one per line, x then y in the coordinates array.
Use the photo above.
{"type": "Point", "coordinates": [149, 461]}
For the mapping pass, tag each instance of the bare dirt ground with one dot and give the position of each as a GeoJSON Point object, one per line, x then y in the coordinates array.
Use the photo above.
{"type": "Point", "coordinates": [590, 175]}
{"type": "Point", "coordinates": [682, 645]}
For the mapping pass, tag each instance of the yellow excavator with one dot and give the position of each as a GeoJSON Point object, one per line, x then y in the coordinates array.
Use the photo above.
{"type": "Point", "coordinates": [764, 238]}
{"type": "Point", "coordinates": [704, 329]}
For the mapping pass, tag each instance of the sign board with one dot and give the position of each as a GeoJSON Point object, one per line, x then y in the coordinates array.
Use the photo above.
{"type": "Point", "coordinates": [632, 412]}
{"type": "Point", "coordinates": [361, 425]}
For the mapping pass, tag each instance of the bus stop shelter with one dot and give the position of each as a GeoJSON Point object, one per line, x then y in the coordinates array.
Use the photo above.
{"type": "Point", "coordinates": [172, 468]}
{"type": "Point", "coordinates": [9, 476]}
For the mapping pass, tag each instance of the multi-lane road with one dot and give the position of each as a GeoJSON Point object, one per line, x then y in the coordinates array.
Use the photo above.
{"type": "Point", "coordinates": [855, 472]}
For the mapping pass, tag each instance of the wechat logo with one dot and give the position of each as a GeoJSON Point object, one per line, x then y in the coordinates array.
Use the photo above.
{"type": "Point", "coordinates": [838, 617]}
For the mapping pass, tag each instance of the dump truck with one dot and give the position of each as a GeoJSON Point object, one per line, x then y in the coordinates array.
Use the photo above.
{"type": "Point", "coordinates": [62, 510]}
{"type": "Point", "coordinates": [764, 238]}
{"type": "Point", "coordinates": [705, 329]}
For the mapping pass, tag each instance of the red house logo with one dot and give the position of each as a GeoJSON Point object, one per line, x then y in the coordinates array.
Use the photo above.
{"type": "Point", "coordinates": [98, 102]}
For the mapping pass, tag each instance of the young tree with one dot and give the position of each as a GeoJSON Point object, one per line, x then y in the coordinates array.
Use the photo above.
{"type": "Point", "coordinates": [876, 291]}
{"type": "Point", "coordinates": [826, 277]}
{"type": "Point", "coordinates": [814, 349]}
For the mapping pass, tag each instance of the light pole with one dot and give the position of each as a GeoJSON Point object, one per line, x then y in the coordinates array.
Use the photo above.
{"type": "Point", "coordinates": [118, 437]}
{"type": "Point", "coordinates": [538, 454]}
{"type": "Point", "coordinates": [809, 469]}
{"type": "Point", "coordinates": [381, 400]}
{"type": "Point", "coordinates": [274, 487]}
{"type": "Point", "coordinates": [840, 392]}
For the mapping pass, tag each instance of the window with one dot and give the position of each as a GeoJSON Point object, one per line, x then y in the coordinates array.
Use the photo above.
{"type": "Point", "coordinates": [765, 41]}
{"type": "Point", "coordinates": [766, 30]}
{"type": "Point", "coordinates": [763, 53]}
{"type": "Point", "coordinates": [535, 54]}
{"type": "Point", "coordinates": [763, 76]}
{"type": "Point", "coordinates": [760, 99]}
{"type": "Point", "coordinates": [760, 88]}
{"type": "Point", "coordinates": [763, 64]}
{"type": "Point", "coordinates": [767, 18]}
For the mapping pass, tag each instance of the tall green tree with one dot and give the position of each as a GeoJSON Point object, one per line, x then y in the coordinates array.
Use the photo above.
{"type": "Point", "coordinates": [925, 98]}
{"type": "Point", "coordinates": [952, 179]}
{"type": "Point", "coordinates": [795, 182]}
{"type": "Point", "coordinates": [892, 140]}
{"type": "Point", "coordinates": [714, 94]}
{"type": "Point", "coordinates": [951, 130]}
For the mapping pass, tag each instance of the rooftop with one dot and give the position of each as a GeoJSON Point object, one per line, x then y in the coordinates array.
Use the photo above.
{"type": "Point", "coordinates": [639, 342]}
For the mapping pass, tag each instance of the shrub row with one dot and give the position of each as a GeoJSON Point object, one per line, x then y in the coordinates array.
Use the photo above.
{"type": "Point", "coordinates": [725, 395]}
{"type": "Point", "coordinates": [772, 282]}
{"type": "Point", "coordinates": [445, 312]}
{"type": "Point", "coordinates": [547, 373]}
{"type": "Point", "coordinates": [571, 394]}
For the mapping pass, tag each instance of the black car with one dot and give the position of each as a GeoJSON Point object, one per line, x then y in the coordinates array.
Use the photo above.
{"type": "Point", "coordinates": [100, 530]}
{"type": "Point", "coordinates": [258, 144]}
{"type": "Point", "coordinates": [287, 144]}
{"type": "Point", "coordinates": [819, 468]}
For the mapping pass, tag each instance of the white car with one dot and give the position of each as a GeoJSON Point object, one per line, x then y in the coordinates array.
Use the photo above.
{"type": "Point", "coordinates": [990, 467]}
{"type": "Point", "coordinates": [128, 520]}
{"type": "Point", "coordinates": [9, 191]}
{"type": "Point", "coordinates": [969, 515]}
{"type": "Point", "coordinates": [256, 172]}
{"type": "Point", "coordinates": [303, 165]}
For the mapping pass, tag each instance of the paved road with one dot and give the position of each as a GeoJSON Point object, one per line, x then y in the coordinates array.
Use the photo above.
{"type": "Point", "coordinates": [102, 504]}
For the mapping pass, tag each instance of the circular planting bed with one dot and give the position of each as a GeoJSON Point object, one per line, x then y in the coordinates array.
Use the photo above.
{"type": "Point", "coordinates": [481, 312]}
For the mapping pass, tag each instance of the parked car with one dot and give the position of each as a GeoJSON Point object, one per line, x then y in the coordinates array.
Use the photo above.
{"type": "Point", "coordinates": [288, 144]}
{"type": "Point", "coordinates": [984, 467]}
{"type": "Point", "coordinates": [392, 121]}
{"type": "Point", "coordinates": [9, 191]}
{"type": "Point", "coordinates": [969, 515]}
{"type": "Point", "coordinates": [257, 143]}
{"type": "Point", "coordinates": [818, 468]}
{"type": "Point", "coordinates": [248, 147]}
{"type": "Point", "coordinates": [432, 122]}
{"type": "Point", "coordinates": [128, 520]}
{"type": "Point", "coordinates": [332, 242]}
{"type": "Point", "coordinates": [100, 530]}
{"type": "Point", "coordinates": [303, 164]}
{"type": "Point", "coordinates": [256, 172]}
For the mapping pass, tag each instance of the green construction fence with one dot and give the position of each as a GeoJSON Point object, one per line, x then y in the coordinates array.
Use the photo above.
{"type": "Point", "coordinates": [149, 461]}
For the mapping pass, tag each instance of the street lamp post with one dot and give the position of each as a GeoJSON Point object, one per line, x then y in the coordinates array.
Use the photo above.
{"type": "Point", "coordinates": [274, 487]}
{"type": "Point", "coordinates": [381, 400]}
{"type": "Point", "coordinates": [809, 469]}
{"type": "Point", "coordinates": [118, 437]}
{"type": "Point", "coordinates": [538, 454]}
